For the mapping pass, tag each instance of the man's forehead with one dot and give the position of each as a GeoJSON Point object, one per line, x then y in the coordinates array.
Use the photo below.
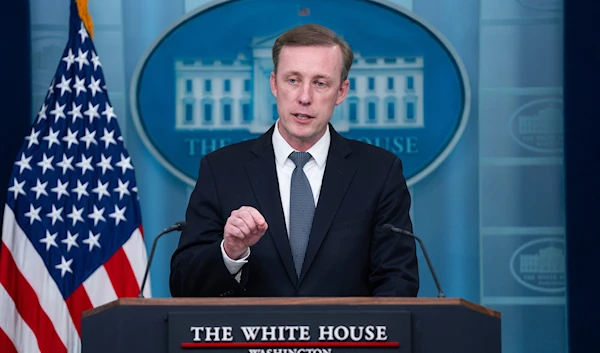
{"type": "Point", "coordinates": [334, 48]}
{"type": "Point", "coordinates": [288, 53]}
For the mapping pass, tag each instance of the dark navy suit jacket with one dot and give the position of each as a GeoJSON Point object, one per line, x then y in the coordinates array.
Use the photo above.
{"type": "Point", "coordinates": [348, 253]}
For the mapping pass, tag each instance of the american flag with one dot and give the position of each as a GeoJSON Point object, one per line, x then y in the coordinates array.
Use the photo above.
{"type": "Point", "coordinates": [72, 235]}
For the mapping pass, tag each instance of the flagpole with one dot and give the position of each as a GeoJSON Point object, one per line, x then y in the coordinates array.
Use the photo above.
{"type": "Point", "coordinates": [86, 18]}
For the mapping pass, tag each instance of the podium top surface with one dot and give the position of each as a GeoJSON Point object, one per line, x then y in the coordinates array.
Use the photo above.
{"type": "Point", "coordinates": [290, 301]}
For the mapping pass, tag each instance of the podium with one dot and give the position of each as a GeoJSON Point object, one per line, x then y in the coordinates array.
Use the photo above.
{"type": "Point", "coordinates": [291, 325]}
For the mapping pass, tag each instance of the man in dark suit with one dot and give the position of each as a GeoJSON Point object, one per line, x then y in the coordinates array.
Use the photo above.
{"type": "Point", "coordinates": [299, 211]}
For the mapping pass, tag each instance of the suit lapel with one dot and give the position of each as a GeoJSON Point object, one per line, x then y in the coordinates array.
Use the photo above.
{"type": "Point", "coordinates": [337, 177]}
{"type": "Point", "coordinates": [262, 173]}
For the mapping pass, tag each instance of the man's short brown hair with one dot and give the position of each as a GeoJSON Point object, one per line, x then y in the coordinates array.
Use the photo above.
{"type": "Point", "coordinates": [313, 35]}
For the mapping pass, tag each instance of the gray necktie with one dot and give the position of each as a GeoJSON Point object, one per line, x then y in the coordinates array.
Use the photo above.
{"type": "Point", "coordinates": [302, 209]}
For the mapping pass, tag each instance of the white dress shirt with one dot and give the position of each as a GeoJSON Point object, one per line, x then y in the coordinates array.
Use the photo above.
{"type": "Point", "coordinates": [314, 170]}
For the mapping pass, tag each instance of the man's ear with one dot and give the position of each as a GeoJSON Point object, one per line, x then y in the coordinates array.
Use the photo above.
{"type": "Point", "coordinates": [342, 92]}
{"type": "Point", "coordinates": [273, 83]}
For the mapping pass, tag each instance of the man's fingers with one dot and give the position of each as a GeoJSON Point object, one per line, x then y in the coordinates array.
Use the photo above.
{"type": "Point", "coordinates": [259, 220]}
{"type": "Point", "coordinates": [244, 227]}
{"type": "Point", "coordinates": [264, 226]}
{"type": "Point", "coordinates": [253, 218]}
{"type": "Point", "coordinates": [248, 220]}
{"type": "Point", "coordinates": [233, 231]}
{"type": "Point", "coordinates": [240, 224]}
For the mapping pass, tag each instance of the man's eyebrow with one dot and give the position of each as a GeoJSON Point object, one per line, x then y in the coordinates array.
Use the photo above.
{"type": "Point", "coordinates": [297, 73]}
{"type": "Point", "coordinates": [323, 76]}
{"type": "Point", "coordinates": [292, 73]}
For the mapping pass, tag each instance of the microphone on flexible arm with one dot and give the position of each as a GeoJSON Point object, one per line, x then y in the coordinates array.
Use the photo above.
{"type": "Point", "coordinates": [177, 226]}
{"type": "Point", "coordinates": [391, 228]}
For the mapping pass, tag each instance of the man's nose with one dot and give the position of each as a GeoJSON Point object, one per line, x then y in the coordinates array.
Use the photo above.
{"type": "Point", "coordinates": [305, 96]}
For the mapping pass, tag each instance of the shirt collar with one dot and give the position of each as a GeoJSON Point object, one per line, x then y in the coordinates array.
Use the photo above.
{"type": "Point", "coordinates": [282, 148]}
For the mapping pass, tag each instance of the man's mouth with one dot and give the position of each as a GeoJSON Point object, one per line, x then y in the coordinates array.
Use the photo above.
{"type": "Point", "coordinates": [303, 116]}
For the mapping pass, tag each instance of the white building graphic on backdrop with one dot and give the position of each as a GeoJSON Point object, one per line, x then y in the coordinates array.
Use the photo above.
{"type": "Point", "coordinates": [546, 260]}
{"type": "Point", "coordinates": [385, 92]}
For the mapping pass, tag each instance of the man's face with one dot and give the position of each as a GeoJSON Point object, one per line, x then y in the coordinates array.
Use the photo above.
{"type": "Point", "coordinates": [307, 87]}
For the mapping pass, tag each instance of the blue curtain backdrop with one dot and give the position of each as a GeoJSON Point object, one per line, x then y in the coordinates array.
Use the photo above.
{"type": "Point", "coordinates": [15, 93]}
{"type": "Point", "coordinates": [582, 154]}
{"type": "Point", "coordinates": [470, 225]}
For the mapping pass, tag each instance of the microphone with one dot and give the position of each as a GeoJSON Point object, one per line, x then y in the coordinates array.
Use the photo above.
{"type": "Point", "coordinates": [177, 226]}
{"type": "Point", "coordinates": [391, 228]}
